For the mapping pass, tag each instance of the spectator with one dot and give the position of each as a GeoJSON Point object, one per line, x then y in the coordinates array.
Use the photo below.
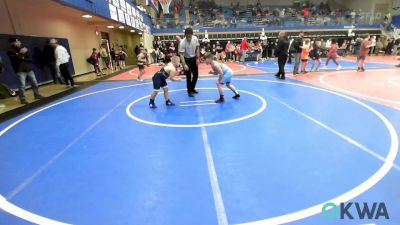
{"type": "Point", "coordinates": [142, 60]}
{"type": "Point", "coordinates": [353, 16]}
{"type": "Point", "coordinates": [202, 51]}
{"type": "Point", "coordinates": [146, 54]}
{"type": "Point", "coordinates": [373, 45]}
{"type": "Point", "coordinates": [122, 57]}
{"type": "Point", "coordinates": [352, 43]}
{"type": "Point", "coordinates": [389, 47]}
{"type": "Point", "coordinates": [282, 53]}
{"type": "Point", "coordinates": [160, 55]}
{"type": "Point", "coordinates": [238, 52]}
{"type": "Point", "coordinates": [228, 51]}
{"type": "Point", "coordinates": [316, 55]}
{"type": "Point", "coordinates": [105, 58]}
{"type": "Point", "coordinates": [154, 56]}
{"type": "Point", "coordinates": [244, 47]}
{"type": "Point", "coordinates": [233, 22]}
{"type": "Point", "coordinates": [22, 66]}
{"type": "Point", "coordinates": [332, 54]}
{"type": "Point", "coordinates": [357, 47]}
{"type": "Point", "coordinates": [50, 62]}
{"type": "Point", "coordinates": [273, 48]}
{"type": "Point", "coordinates": [220, 53]}
{"type": "Point", "coordinates": [137, 50]}
{"type": "Point", "coordinates": [365, 47]}
{"type": "Point", "coordinates": [379, 46]}
{"type": "Point", "coordinates": [113, 62]}
{"type": "Point", "coordinates": [62, 62]}
{"type": "Point", "coordinates": [291, 51]}
{"type": "Point", "coordinates": [251, 44]}
{"type": "Point", "coordinates": [297, 43]}
{"type": "Point", "coordinates": [258, 50]}
{"type": "Point", "coordinates": [95, 61]}
{"type": "Point", "coordinates": [305, 52]}
{"type": "Point", "coordinates": [395, 47]}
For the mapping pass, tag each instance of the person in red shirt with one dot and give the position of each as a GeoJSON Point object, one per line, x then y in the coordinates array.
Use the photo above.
{"type": "Point", "coordinates": [332, 54]}
{"type": "Point", "coordinates": [364, 49]}
{"type": "Point", "coordinates": [95, 62]}
{"type": "Point", "coordinates": [244, 46]}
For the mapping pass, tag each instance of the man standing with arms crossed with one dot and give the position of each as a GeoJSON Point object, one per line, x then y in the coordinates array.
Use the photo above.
{"type": "Point", "coordinates": [190, 58]}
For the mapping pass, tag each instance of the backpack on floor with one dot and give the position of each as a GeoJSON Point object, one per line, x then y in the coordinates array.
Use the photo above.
{"type": "Point", "coordinates": [6, 92]}
{"type": "Point", "coordinates": [90, 60]}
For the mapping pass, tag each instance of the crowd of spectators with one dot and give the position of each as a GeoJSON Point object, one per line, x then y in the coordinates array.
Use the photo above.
{"type": "Point", "coordinates": [256, 50]}
{"type": "Point", "coordinates": [207, 13]}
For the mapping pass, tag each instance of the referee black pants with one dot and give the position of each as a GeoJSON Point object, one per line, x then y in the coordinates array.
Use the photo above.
{"type": "Point", "coordinates": [281, 63]}
{"type": "Point", "coordinates": [192, 74]}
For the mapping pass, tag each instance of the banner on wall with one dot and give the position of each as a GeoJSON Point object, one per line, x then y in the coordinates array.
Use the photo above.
{"type": "Point", "coordinates": [123, 5]}
{"type": "Point", "coordinates": [128, 20]}
{"type": "Point", "coordinates": [121, 17]}
{"type": "Point", "coordinates": [115, 3]}
{"type": "Point", "coordinates": [113, 12]}
{"type": "Point", "coordinates": [124, 12]}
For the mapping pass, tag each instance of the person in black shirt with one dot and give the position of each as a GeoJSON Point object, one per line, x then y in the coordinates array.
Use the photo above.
{"type": "Point", "coordinates": [297, 43]}
{"type": "Point", "coordinates": [22, 66]}
{"type": "Point", "coordinates": [282, 53]}
{"type": "Point", "coordinates": [50, 62]}
{"type": "Point", "coordinates": [315, 55]}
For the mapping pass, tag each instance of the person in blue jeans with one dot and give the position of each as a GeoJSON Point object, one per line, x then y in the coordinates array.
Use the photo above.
{"type": "Point", "coordinates": [22, 66]}
{"type": "Point", "coordinates": [224, 77]}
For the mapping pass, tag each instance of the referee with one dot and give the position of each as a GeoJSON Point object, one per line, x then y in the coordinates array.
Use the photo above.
{"type": "Point", "coordinates": [190, 58]}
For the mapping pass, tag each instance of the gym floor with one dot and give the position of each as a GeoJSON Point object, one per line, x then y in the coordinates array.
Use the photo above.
{"type": "Point", "coordinates": [277, 155]}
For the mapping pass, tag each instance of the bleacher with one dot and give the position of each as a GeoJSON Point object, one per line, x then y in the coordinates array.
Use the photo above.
{"type": "Point", "coordinates": [242, 17]}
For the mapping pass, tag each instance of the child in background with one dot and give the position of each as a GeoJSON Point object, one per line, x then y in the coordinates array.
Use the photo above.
{"type": "Point", "coordinates": [117, 60]}
{"type": "Point", "coordinates": [95, 61]}
{"type": "Point", "coordinates": [224, 77]}
{"type": "Point", "coordinates": [357, 47]}
{"type": "Point", "coordinates": [315, 54]}
{"type": "Point", "coordinates": [237, 52]}
{"type": "Point", "coordinates": [306, 48]}
{"type": "Point", "coordinates": [122, 57]}
{"type": "Point", "coordinates": [332, 54]}
{"type": "Point", "coordinates": [364, 49]}
{"type": "Point", "coordinates": [141, 58]}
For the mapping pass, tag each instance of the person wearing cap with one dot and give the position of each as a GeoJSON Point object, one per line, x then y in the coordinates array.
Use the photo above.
{"type": "Point", "coordinates": [50, 62]}
{"type": "Point", "coordinates": [190, 58]}
{"type": "Point", "coordinates": [22, 66]}
{"type": "Point", "coordinates": [62, 62]}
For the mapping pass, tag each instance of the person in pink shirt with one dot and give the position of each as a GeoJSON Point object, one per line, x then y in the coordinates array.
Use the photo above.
{"type": "Point", "coordinates": [332, 54]}
{"type": "Point", "coordinates": [244, 46]}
